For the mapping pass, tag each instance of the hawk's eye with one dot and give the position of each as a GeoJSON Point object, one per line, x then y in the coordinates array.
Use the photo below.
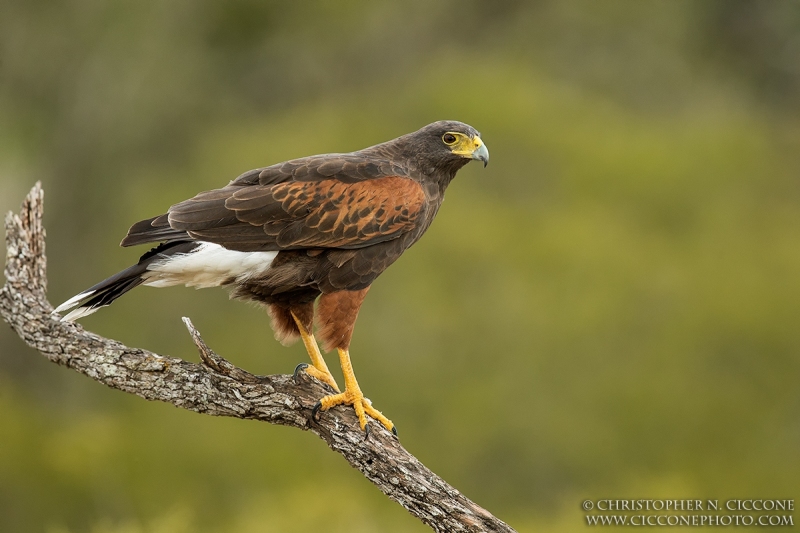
{"type": "Point", "coordinates": [449, 139]}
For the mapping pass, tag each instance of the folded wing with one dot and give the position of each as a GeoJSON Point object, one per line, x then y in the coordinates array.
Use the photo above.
{"type": "Point", "coordinates": [326, 213]}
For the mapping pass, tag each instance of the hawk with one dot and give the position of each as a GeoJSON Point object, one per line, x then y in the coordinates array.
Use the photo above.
{"type": "Point", "coordinates": [318, 228]}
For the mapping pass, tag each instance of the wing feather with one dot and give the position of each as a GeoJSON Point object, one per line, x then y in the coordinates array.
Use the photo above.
{"type": "Point", "coordinates": [334, 201]}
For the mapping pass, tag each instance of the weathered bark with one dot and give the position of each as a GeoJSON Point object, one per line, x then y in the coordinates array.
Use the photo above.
{"type": "Point", "coordinates": [216, 387]}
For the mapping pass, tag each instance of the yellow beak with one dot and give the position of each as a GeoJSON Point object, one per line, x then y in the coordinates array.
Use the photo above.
{"type": "Point", "coordinates": [473, 149]}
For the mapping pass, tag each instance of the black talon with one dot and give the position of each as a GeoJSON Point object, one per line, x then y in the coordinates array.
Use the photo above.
{"type": "Point", "coordinates": [394, 431]}
{"type": "Point", "coordinates": [315, 411]}
{"type": "Point", "coordinates": [299, 368]}
{"type": "Point", "coordinates": [366, 431]}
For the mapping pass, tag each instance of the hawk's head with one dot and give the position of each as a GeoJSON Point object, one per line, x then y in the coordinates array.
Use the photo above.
{"type": "Point", "coordinates": [450, 140]}
{"type": "Point", "coordinates": [441, 148]}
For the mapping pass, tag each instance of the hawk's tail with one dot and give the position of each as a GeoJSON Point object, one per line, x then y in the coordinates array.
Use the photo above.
{"type": "Point", "coordinates": [108, 290]}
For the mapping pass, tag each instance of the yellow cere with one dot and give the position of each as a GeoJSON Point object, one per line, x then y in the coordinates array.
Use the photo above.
{"type": "Point", "coordinates": [465, 145]}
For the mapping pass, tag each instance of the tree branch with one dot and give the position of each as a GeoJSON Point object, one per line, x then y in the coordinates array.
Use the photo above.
{"type": "Point", "coordinates": [217, 387]}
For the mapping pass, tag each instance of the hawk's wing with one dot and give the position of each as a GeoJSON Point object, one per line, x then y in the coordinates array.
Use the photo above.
{"type": "Point", "coordinates": [330, 201]}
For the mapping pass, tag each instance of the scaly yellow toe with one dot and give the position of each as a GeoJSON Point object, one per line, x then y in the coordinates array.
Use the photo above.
{"type": "Point", "coordinates": [324, 377]}
{"type": "Point", "coordinates": [352, 395]}
{"type": "Point", "coordinates": [361, 405]}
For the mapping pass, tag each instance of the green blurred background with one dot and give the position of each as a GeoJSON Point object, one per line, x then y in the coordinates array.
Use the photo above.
{"type": "Point", "coordinates": [610, 309]}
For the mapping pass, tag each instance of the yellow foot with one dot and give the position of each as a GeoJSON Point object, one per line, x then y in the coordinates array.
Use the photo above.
{"type": "Point", "coordinates": [361, 404]}
{"type": "Point", "coordinates": [324, 377]}
{"type": "Point", "coordinates": [318, 368]}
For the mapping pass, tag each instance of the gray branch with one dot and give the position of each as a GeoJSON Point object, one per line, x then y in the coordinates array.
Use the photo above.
{"type": "Point", "coordinates": [217, 387]}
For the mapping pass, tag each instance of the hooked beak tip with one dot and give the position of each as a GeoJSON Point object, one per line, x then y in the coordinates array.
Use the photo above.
{"type": "Point", "coordinates": [481, 153]}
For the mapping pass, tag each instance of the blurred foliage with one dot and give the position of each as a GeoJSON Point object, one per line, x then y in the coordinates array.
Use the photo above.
{"type": "Point", "coordinates": [609, 309]}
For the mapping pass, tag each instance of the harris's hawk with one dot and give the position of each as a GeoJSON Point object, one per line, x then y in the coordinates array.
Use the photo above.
{"type": "Point", "coordinates": [320, 227]}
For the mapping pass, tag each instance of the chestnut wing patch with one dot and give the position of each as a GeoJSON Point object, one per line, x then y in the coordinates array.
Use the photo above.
{"type": "Point", "coordinates": [312, 214]}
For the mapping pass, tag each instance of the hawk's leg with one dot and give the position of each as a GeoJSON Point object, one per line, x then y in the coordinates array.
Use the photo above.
{"type": "Point", "coordinates": [319, 369]}
{"type": "Point", "coordinates": [352, 395]}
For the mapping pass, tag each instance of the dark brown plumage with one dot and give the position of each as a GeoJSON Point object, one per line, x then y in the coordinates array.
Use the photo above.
{"type": "Point", "coordinates": [324, 225]}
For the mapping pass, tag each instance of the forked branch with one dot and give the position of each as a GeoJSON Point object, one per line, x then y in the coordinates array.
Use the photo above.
{"type": "Point", "coordinates": [217, 387]}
